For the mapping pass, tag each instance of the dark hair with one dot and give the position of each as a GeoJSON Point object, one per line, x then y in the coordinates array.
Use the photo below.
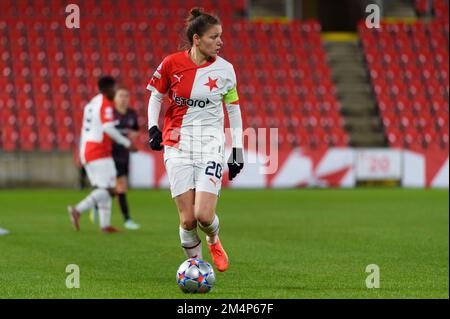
{"type": "Point", "coordinates": [198, 22]}
{"type": "Point", "coordinates": [105, 82]}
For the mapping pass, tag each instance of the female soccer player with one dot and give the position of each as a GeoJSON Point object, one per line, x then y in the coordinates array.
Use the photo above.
{"type": "Point", "coordinates": [198, 82]}
{"type": "Point", "coordinates": [97, 134]}
{"type": "Point", "coordinates": [127, 124]}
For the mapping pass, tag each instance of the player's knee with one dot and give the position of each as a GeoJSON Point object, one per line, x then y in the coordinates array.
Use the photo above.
{"type": "Point", "coordinates": [205, 216]}
{"type": "Point", "coordinates": [101, 196]}
{"type": "Point", "coordinates": [204, 211]}
{"type": "Point", "coordinates": [112, 192]}
{"type": "Point", "coordinates": [121, 186]}
{"type": "Point", "coordinates": [188, 223]}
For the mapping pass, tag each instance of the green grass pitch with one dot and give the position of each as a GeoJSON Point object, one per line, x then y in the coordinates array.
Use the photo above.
{"type": "Point", "coordinates": [304, 243]}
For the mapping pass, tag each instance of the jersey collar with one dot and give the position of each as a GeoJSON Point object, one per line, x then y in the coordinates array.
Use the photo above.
{"type": "Point", "coordinates": [207, 63]}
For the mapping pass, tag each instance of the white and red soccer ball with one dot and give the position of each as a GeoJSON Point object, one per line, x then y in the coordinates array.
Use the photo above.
{"type": "Point", "coordinates": [195, 276]}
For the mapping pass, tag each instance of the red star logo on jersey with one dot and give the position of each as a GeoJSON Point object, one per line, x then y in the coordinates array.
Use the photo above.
{"type": "Point", "coordinates": [211, 83]}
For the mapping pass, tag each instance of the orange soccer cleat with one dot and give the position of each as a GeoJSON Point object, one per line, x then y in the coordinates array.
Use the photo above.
{"type": "Point", "coordinates": [219, 256]}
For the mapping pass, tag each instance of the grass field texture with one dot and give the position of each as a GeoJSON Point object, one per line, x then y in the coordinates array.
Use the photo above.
{"type": "Point", "coordinates": [303, 243]}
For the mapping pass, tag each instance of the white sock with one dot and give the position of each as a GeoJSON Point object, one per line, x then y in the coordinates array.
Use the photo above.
{"type": "Point", "coordinates": [104, 212]}
{"type": "Point", "coordinates": [191, 243]}
{"type": "Point", "coordinates": [211, 231]}
{"type": "Point", "coordinates": [95, 197]}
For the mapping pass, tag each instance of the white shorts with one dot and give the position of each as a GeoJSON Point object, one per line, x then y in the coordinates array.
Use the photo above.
{"type": "Point", "coordinates": [102, 172]}
{"type": "Point", "coordinates": [203, 175]}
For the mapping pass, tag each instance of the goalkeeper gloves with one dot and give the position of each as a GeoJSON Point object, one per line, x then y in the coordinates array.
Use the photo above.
{"type": "Point", "coordinates": [235, 162]}
{"type": "Point", "coordinates": [155, 138]}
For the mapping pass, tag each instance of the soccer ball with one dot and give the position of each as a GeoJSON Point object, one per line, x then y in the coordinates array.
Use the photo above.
{"type": "Point", "coordinates": [195, 276]}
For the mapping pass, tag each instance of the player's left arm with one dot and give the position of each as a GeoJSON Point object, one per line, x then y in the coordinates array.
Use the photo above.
{"type": "Point", "coordinates": [159, 85]}
{"type": "Point", "coordinates": [233, 108]}
{"type": "Point", "coordinates": [231, 100]}
{"type": "Point", "coordinates": [134, 129]}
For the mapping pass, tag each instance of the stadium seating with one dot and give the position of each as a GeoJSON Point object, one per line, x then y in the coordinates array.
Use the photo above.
{"type": "Point", "coordinates": [438, 8]}
{"type": "Point", "coordinates": [50, 72]}
{"type": "Point", "coordinates": [408, 65]}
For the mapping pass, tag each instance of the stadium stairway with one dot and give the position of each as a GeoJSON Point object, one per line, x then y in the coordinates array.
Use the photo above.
{"type": "Point", "coordinates": [354, 92]}
{"type": "Point", "coordinates": [399, 8]}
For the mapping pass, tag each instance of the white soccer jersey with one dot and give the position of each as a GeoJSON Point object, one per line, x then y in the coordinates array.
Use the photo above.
{"type": "Point", "coordinates": [194, 121]}
{"type": "Point", "coordinates": [94, 143]}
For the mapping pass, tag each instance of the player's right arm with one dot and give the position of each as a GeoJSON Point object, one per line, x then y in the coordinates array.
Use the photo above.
{"type": "Point", "coordinates": [159, 85]}
{"type": "Point", "coordinates": [107, 120]}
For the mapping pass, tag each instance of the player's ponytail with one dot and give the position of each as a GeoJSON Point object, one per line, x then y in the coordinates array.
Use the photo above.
{"type": "Point", "coordinates": [198, 22]}
{"type": "Point", "coordinates": [194, 13]}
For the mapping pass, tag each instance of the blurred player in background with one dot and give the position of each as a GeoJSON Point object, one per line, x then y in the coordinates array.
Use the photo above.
{"type": "Point", "coordinates": [97, 133]}
{"type": "Point", "coordinates": [126, 121]}
{"type": "Point", "coordinates": [3, 231]}
{"type": "Point", "coordinates": [197, 82]}
{"type": "Point", "coordinates": [127, 124]}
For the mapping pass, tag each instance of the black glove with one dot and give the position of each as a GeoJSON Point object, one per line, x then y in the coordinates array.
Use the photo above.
{"type": "Point", "coordinates": [235, 163]}
{"type": "Point", "coordinates": [155, 138]}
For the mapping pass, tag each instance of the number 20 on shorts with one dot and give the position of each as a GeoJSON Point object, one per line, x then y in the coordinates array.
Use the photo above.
{"type": "Point", "coordinates": [214, 169]}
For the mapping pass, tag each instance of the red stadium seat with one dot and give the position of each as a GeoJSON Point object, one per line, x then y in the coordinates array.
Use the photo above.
{"type": "Point", "coordinates": [411, 95]}
{"type": "Point", "coordinates": [58, 71]}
